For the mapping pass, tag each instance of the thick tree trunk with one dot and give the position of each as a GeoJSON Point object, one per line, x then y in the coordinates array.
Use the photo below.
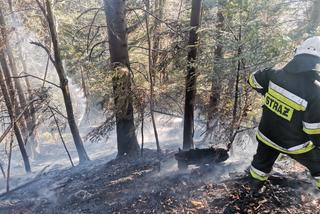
{"type": "Point", "coordinates": [218, 57]}
{"type": "Point", "coordinates": [118, 46]}
{"type": "Point", "coordinates": [83, 157]}
{"type": "Point", "coordinates": [191, 78]}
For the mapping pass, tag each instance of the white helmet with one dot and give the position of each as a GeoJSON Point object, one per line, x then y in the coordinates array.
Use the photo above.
{"type": "Point", "coordinates": [310, 46]}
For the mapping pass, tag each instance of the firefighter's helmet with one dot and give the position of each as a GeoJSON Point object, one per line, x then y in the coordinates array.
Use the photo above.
{"type": "Point", "coordinates": [310, 46]}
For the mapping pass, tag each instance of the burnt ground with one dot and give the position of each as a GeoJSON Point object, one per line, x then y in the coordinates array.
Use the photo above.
{"type": "Point", "coordinates": [151, 185]}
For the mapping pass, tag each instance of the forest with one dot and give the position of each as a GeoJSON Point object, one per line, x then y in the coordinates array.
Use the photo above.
{"type": "Point", "coordinates": [97, 97]}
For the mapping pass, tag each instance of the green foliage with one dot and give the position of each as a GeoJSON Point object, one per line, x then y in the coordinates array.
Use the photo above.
{"type": "Point", "coordinates": [256, 33]}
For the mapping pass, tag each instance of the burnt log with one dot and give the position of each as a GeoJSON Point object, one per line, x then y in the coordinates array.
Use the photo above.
{"type": "Point", "coordinates": [201, 156]}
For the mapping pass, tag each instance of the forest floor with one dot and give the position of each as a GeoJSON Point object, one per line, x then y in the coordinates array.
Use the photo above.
{"type": "Point", "coordinates": [152, 184]}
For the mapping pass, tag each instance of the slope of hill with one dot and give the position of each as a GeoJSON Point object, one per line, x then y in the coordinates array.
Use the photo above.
{"type": "Point", "coordinates": [152, 184]}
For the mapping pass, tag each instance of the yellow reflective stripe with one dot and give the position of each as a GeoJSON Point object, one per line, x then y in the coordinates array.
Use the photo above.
{"type": "Point", "coordinates": [287, 94]}
{"type": "Point", "coordinates": [311, 128]}
{"type": "Point", "coordinates": [253, 82]}
{"type": "Point", "coordinates": [257, 176]}
{"type": "Point", "coordinates": [286, 100]}
{"type": "Point", "coordinates": [308, 147]}
{"type": "Point", "coordinates": [311, 131]}
{"type": "Point", "coordinates": [318, 183]}
{"type": "Point", "coordinates": [278, 107]}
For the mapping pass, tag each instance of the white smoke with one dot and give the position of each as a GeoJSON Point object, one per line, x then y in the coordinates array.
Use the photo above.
{"type": "Point", "coordinates": [79, 101]}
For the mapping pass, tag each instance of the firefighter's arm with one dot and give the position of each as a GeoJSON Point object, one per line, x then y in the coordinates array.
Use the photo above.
{"type": "Point", "coordinates": [259, 80]}
{"type": "Point", "coordinates": [311, 122]}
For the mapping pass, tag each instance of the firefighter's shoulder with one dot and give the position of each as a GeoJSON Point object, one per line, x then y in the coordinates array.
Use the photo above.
{"type": "Point", "coordinates": [260, 78]}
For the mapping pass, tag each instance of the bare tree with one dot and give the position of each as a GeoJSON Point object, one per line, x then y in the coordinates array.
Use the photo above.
{"type": "Point", "coordinates": [159, 6]}
{"type": "Point", "coordinates": [152, 57]}
{"type": "Point", "coordinates": [7, 69]}
{"type": "Point", "coordinates": [115, 11]}
{"type": "Point", "coordinates": [188, 129]}
{"type": "Point", "coordinates": [217, 67]}
{"type": "Point", "coordinates": [57, 61]}
{"type": "Point", "coordinates": [10, 107]}
{"type": "Point", "coordinates": [29, 115]}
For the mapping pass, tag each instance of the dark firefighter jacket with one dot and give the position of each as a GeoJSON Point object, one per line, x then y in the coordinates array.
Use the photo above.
{"type": "Point", "coordinates": [290, 120]}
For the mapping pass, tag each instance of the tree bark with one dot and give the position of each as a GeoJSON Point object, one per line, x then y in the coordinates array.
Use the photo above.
{"type": "Point", "coordinates": [10, 106]}
{"type": "Point", "coordinates": [12, 88]}
{"type": "Point", "coordinates": [29, 115]}
{"type": "Point", "coordinates": [83, 157]}
{"type": "Point", "coordinates": [115, 11]}
{"type": "Point", "coordinates": [188, 130]}
{"type": "Point", "coordinates": [159, 12]}
{"type": "Point", "coordinates": [218, 57]}
{"type": "Point", "coordinates": [151, 77]}
{"type": "Point", "coordinates": [314, 21]}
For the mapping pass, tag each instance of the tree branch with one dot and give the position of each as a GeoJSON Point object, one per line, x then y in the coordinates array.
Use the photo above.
{"type": "Point", "coordinates": [46, 49]}
{"type": "Point", "coordinates": [39, 78]}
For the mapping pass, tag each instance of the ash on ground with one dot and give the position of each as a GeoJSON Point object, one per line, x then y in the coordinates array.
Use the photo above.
{"type": "Point", "coordinates": [153, 184]}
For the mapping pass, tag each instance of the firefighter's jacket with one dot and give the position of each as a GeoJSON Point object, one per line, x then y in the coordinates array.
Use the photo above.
{"type": "Point", "coordinates": [290, 120]}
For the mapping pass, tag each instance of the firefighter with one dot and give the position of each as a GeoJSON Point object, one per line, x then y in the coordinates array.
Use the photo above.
{"type": "Point", "coordinates": [290, 122]}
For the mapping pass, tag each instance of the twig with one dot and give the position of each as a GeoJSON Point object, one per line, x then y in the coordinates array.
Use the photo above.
{"type": "Point", "coordinates": [58, 112]}
{"type": "Point", "coordinates": [94, 46]}
{"type": "Point", "coordinates": [43, 10]}
{"type": "Point", "coordinates": [90, 28]}
{"type": "Point", "coordinates": [157, 18]}
{"type": "Point", "coordinates": [39, 78]}
{"type": "Point", "coordinates": [142, 133]}
{"type": "Point", "coordinates": [15, 121]}
{"type": "Point", "coordinates": [3, 172]}
{"type": "Point", "coordinates": [9, 164]}
{"type": "Point", "coordinates": [62, 140]}
{"type": "Point", "coordinates": [46, 49]}
{"type": "Point", "coordinates": [88, 10]}
{"type": "Point", "coordinates": [46, 72]}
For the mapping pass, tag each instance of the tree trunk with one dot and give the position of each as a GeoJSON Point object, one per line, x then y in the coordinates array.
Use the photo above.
{"type": "Point", "coordinates": [314, 21]}
{"type": "Point", "coordinates": [151, 77]}
{"type": "Point", "coordinates": [188, 130]}
{"type": "Point", "coordinates": [218, 57]}
{"type": "Point", "coordinates": [159, 11]}
{"type": "Point", "coordinates": [11, 103]}
{"type": "Point", "coordinates": [118, 46]}
{"type": "Point", "coordinates": [29, 115]}
{"type": "Point", "coordinates": [10, 106]}
{"type": "Point", "coordinates": [83, 157]}
{"type": "Point", "coordinates": [6, 51]}
{"type": "Point", "coordinates": [236, 113]}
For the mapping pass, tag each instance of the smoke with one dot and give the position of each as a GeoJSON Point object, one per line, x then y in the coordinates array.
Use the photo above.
{"type": "Point", "coordinates": [78, 100]}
